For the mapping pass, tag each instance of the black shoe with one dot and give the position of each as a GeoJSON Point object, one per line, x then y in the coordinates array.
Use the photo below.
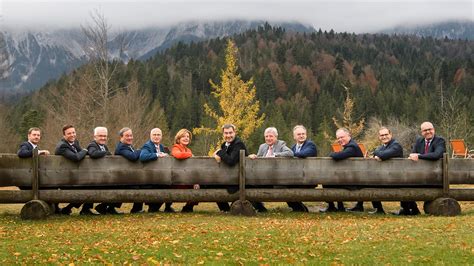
{"type": "Point", "coordinates": [377, 211]}
{"type": "Point", "coordinates": [340, 206]}
{"type": "Point", "coordinates": [187, 208]}
{"type": "Point", "coordinates": [153, 209]}
{"type": "Point", "coordinates": [303, 208]}
{"type": "Point", "coordinates": [223, 206]}
{"type": "Point", "coordinates": [136, 211]}
{"type": "Point", "coordinates": [169, 210]}
{"type": "Point", "coordinates": [65, 211]}
{"type": "Point", "coordinates": [328, 209]}
{"type": "Point", "coordinates": [87, 212]}
{"type": "Point", "coordinates": [401, 212]}
{"type": "Point", "coordinates": [262, 209]}
{"type": "Point", "coordinates": [356, 208]}
{"type": "Point", "coordinates": [415, 212]}
{"type": "Point", "coordinates": [101, 208]}
{"type": "Point", "coordinates": [112, 210]}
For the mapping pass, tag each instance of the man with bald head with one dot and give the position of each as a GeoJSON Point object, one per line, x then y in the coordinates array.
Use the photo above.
{"type": "Point", "coordinates": [428, 147]}
{"type": "Point", "coordinates": [151, 151]}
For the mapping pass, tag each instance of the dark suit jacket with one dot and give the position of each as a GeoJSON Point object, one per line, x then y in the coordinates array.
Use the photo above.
{"type": "Point", "coordinates": [148, 151]}
{"type": "Point", "coordinates": [26, 150]}
{"type": "Point", "coordinates": [95, 152]}
{"type": "Point", "coordinates": [307, 150]}
{"type": "Point", "coordinates": [435, 152]}
{"type": "Point", "coordinates": [349, 150]}
{"type": "Point", "coordinates": [127, 151]}
{"type": "Point", "coordinates": [65, 149]}
{"type": "Point", "coordinates": [230, 155]}
{"type": "Point", "coordinates": [392, 150]}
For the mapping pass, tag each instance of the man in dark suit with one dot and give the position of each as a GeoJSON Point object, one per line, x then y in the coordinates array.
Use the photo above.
{"type": "Point", "coordinates": [428, 147]}
{"type": "Point", "coordinates": [390, 148]}
{"type": "Point", "coordinates": [69, 148]}
{"type": "Point", "coordinates": [125, 148]}
{"type": "Point", "coordinates": [349, 149]}
{"type": "Point", "coordinates": [229, 153]}
{"type": "Point", "coordinates": [301, 149]}
{"type": "Point", "coordinates": [98, 149]}
{"type": "Point", "coordinates": [151, 151]}
{"type": "Point", "coordinates": [27, 147]}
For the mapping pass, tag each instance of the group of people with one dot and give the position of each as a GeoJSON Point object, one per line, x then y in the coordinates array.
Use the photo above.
{"type": "Point", "coordinates": [428, 147]}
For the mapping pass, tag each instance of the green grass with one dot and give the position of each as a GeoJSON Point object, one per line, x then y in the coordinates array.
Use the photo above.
{"type": "Point", "coordinates": [209, 237]}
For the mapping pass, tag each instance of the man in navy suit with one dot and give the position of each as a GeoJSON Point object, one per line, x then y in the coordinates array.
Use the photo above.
{"type": "Point", "coordinates": [390, 148]}
{"type": "Point", "coordinates": [69, 148]}
{"type": "Point", "coordinates": [151, 151]}
{"type": "Point", "coordinates": [428, 147]}
{"type": "Point", "coordinates": [27, 147]}
{"type": "Point", "coordinates": [349, 149]}
{"type": "Point", "coordinates": [301, 149]}
{"type": "Point", "coordinates": [125, 148]}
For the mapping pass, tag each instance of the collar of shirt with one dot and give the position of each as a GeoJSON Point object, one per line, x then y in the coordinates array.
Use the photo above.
{"type": "Point", "coordinates": [34, 146]}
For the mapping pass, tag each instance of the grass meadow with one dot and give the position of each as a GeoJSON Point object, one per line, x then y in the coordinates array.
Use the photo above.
{"type": "Point", "coordinates": [210, 237]}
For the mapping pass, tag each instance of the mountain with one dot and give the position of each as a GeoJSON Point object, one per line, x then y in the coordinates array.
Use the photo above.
{"type": "Point", "coordinates": [34, 58]}
{"type": "Point", "coordinates": [463, 30]}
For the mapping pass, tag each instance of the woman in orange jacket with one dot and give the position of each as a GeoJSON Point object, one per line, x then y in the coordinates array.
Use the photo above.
{"type": "Point", "coordinates": [181, 151]}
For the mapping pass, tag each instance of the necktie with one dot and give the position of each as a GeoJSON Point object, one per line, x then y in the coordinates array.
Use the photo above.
{"type": "Point", "coordinates": [298, 148]}
{"type": "Point", "coordinates": [102, 147]}
{"type": "Point", "coordinates": [131, 148]}
{"type": "Point", "coordinates": [270, 152]}
{"type": "Point", "coordinates": [427, 146]}
{"type": "Point", "coordinates": [74, 148]}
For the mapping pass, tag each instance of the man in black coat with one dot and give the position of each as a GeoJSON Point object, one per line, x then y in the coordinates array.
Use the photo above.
{"type": "Point", "coordinates": [98, 149]}
{"type": "Point", "coordinates": [69, 148]}
{"type": "Point", "coordinates": [390, 148]}
{"type": "Point", "coordinates": [428, 147]}
{"type": "Point", "coordinates": [27, 147]}
{"type": "Point", "coordinates": [349, 149]}
{"type": "Point", "coordinates": [229, 153]}
{"type": "Point", "coordinates": [125, 148]}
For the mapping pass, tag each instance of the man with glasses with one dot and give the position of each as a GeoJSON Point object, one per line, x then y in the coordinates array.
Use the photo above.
{"type": "Point", "coordinates": [390, 148]}
{"type": "Point", "coordinates": [429, 147]}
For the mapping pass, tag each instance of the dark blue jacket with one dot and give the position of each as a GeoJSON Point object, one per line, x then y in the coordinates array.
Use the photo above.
{"type": "Point", "coordinates": [26, 150]}
{"type": "Point", "coordinates": [148, 152]}
{"type": "Point", "coordinates": [230, 155]}
{"type": "Point", "coordinates": [349, 150]}
{"type": "Point", "coordinates": [435, 152]}
{"type": "Point", "coordinates": [127, 151]}
{"type": "Point", "coordinates": [307, 150]}
{"type": "Point", "coordinates": [392, 150]}
{"type": "Point", "coordinates": [95, 152]}
{"type": "Point", "coordinates": [65, 149]}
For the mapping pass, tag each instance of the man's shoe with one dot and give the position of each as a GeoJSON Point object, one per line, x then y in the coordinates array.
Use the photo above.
{"type": "Point", "coordinates": [101, 208]}
{"type": "Point", "coordinates": [187, 208]}
{"type": "Point", "coordinates": [303, 208]}
{"type": "Point", "coordinates": [112, 210]}
{"type": "Point", "coordinates": [136, 211]}
{"type": "Point", "coordinates": [153, 209]}
{"type": "Point", "coordinates": [66, 211]}
{"type": "Point", "coordinates": [415, 212]}
{"type": "Point", "coordinates": [401, 212]}
{"type": "Point", "coordinates": [262, 209]}
{"type": "Point", "coordinates": [340, 206]}
{"type": "Point", "coordinates": [377, 211]}
{"type": "Point", "coordinates": [87, 212]}
{"type": "Point", "coordinates": [169, 210]}
{"type": "Point", "coordinates": [355, 209]}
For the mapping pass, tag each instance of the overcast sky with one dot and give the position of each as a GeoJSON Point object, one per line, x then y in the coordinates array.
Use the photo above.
{"type": "Point", "coordinates": [340, 15]}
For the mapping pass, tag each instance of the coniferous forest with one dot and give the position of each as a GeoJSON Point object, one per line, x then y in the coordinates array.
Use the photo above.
{"type": "Point", "coordinates": [398, 81]}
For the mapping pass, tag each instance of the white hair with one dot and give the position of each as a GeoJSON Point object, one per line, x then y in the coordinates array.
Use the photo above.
{"type": "Point", "coordinates": [97, 129]}
{"type": "Point", "coordinates": [271, 130]}
{"type": "Point", "coordinates": [299, 126]}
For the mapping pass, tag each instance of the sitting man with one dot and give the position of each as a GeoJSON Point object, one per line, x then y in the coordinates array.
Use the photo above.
{"type": "Point", "coordinates": [271, 148]}
{"type": "Point", "coordinates": [69, 148]}
{"type": "Point", "coordinates": [390, 148]}
{"type": "Point", "coordinates": [125, 148]}
{"type": "Point", "coordinates": [151, 151]}
{"type": "Point", "coordinates": [428, 147]}
{"type": "Point", "coordinates": [98, 149]}
{"type": "Point", "coordinates": [349, 149]}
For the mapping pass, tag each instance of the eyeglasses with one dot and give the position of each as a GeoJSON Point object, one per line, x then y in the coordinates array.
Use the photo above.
{"type": "Point", "coordinates": [426, 130]}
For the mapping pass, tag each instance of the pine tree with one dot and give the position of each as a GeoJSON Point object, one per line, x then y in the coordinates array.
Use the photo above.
{"type": "Point", "coordinates": [236, 101]}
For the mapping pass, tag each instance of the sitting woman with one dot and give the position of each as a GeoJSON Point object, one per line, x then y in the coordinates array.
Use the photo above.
{"type": "Point", "coordinates": [181, 151]}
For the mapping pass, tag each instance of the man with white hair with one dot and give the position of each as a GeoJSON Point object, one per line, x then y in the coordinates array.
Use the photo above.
{"type": "Point", "coordinates": [271, 148]}
{"type": "Point", "coordinates": [98, 149]}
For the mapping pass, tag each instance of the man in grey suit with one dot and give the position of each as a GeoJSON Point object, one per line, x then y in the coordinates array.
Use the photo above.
{"type": "Point", "coordinates": [271, 148]}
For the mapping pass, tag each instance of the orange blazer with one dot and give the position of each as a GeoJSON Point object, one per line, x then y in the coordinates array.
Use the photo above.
{"type": "Point", "coordinates": [179, 151]}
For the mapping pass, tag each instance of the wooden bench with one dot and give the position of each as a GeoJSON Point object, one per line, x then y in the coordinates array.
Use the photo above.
{"type": "Point", "coordinates": [108, 180]}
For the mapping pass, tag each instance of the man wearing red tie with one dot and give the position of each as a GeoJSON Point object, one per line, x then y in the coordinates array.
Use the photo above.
{"type": "Point", "coordinates": [429, 147]}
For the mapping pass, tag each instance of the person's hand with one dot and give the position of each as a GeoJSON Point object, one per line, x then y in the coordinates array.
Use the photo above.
{"type": "Point", "coordinates": [217, 157]}
{"type": "Point", "coordinates": [161, 154]}
{"type": "Point", "coordinates": [43, 152]}
{"type": "Point", "coordinates": [196, 186]}
{"type": "Point", "coordinates": [377, 158]}
{"type": "Point", "coordinates": [252, 156]}
{"type": "Point", "coordinates": [215, 153]}
{"type": "Point", "coordinates": [413, 156]}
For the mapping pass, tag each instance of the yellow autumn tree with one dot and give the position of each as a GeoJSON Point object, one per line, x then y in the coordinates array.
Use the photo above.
{"type": "Point", "coordinates": [237, 103]}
